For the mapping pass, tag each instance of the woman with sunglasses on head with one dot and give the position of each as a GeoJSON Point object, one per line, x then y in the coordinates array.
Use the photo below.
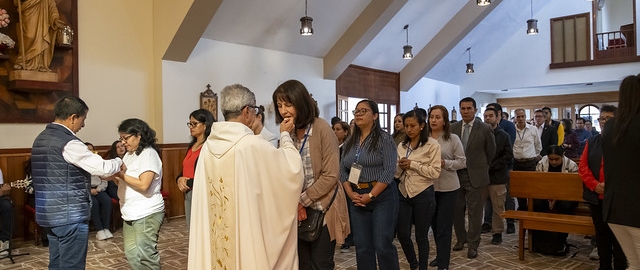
{"type": "Point", "coordinates": [139, 186]}
{"type": "Point", "coordinates": [318, 148]}
{"type": "Point", "coordinates": [418, 165]}
{"type": "Point", "coordinates": [199, 124]}
{"type": "Point", "coordinates": [366, 171]}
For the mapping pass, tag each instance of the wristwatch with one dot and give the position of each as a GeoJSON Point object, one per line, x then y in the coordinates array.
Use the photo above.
{"type": "Point", "coordinates": [371, 197]}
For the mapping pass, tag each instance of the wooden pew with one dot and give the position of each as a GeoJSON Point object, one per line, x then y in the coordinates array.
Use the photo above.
{"type": "Point", "coordinates": [546, 185]}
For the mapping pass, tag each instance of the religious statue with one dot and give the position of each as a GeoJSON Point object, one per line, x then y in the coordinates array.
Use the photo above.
{"type": "Point", "coordinates": [5, 41]}
{"type": "Point", "coordinates": [37, 29]}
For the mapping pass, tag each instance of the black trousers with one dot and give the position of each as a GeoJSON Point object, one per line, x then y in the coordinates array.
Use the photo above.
{"type": "Point", "coordinates": [6, 218]}
{"type": "Point", "coordinates": [317, 255]}
{"type": "Point", "coordinates": [608, 247]}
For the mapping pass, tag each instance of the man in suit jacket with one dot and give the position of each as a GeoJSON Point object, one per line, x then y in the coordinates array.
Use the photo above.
{"type": "Point", "coordinates": [548, 133]}
{"type": "Point", "coordinates": [479, 147]}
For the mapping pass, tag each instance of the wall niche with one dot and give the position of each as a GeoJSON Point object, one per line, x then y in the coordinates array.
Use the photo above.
{"type": "Point", "coordinates": [27, 93]}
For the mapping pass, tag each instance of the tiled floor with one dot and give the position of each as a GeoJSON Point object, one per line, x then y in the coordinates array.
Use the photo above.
{"type": "Point", "coordinates": [173, 245]}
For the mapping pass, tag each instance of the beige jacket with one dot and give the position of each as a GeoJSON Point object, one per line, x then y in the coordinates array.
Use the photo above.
{"type": "Point", "coordinates": [325, 161]}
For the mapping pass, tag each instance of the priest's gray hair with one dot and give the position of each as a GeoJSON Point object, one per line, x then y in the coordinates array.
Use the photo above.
{"type": "Point", "coordinates": [234, 98]}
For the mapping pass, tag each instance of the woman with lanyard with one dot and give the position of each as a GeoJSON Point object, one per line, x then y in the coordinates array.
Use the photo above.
{"type": "Point", "coordinates": [318, 147]}
{"type": "Point", "coordinates": [366, 171]}
{"type": "Point", "coordinates": [418, 166]}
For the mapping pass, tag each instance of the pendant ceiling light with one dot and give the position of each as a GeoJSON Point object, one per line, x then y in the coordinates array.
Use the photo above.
{"type": "Point", "coordinates": [407, 48]}
{"type": "Point", "coordinates": [532, 24]}
{"type": "Point", "coordinates": [469, 64]}
{"type": "Point", "coordinates": [483, 3]}
{"type": "Point", "coordinates": [306, 29]}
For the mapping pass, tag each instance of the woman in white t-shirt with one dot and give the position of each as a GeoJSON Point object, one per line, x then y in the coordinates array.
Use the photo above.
{"type": "Point", "coordinates": [139, 186]}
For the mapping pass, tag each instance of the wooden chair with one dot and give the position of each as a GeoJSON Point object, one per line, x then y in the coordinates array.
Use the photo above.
{"type": "Point", "coordinates": [30, 222]}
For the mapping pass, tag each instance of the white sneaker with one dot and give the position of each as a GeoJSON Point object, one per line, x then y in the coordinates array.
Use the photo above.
{"type": "Point", "coordinates": [107, 233]}
{"type": "Point", "coordinates": [4, 245]}
{"type": "Point", "coordinates": [594, 254]}
{"type": "Point", "coordinates": [101, 235]}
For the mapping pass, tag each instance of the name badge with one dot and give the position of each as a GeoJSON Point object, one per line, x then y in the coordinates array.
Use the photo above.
{"type": "Point", "coordinates": [354, 175]}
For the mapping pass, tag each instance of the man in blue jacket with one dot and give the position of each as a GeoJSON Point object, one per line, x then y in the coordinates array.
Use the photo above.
{"type": "Point", "coordinates": [62, 166]}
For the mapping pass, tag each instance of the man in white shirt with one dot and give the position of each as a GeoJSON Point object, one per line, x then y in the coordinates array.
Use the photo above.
{"type": "Point", "coordinates": [62, 166]}
{"type": "Point", "coordinates": [526, 147]}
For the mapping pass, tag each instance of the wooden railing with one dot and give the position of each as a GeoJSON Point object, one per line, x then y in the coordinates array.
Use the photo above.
{"type": "Point", "coordinates": [12, 164]}
{"type": "Point", "coordinates": [615, 44]}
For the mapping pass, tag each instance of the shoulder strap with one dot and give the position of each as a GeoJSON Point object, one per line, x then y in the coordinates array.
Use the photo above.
{"type": "Point", "coordinates": [332, 198]}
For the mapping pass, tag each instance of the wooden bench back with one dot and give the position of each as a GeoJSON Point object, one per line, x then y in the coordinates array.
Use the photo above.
{"type": "Point", "coordinates": [546, 185]}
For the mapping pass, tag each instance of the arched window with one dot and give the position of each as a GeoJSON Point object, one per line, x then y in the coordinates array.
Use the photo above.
{"type": "Point", "coordinates": [590, 112]}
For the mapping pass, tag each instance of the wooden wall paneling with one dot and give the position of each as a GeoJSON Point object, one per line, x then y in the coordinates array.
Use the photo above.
{"type": "Point", "coordinates": [559, 100]}
{"type": "Point", "coordinates": [362, 82]}
{"type": "Point", "coordinates": [172, 157]}
{"type": "Point", "coordinates": [12, 165]}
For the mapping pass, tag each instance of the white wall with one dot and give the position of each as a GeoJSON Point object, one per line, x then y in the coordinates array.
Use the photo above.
{"type": "Point", "coordinates": [220, 64]}
{"type": "Point", "coordinates": [428, 91]}
{"type": "Point", "coordinates": [115, 67]}
{"type": "Point", "coordinates": [530, 57]}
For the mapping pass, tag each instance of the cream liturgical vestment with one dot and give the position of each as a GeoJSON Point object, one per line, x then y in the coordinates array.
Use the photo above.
{"type": "Point", "coordinates": [244, 205]}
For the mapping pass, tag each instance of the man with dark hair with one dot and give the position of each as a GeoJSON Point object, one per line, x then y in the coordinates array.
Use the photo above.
{"type": "Point", "coordinates": [62, 166]}
{"type": "Point", "coordinates": [554, 123]}
{"type": "Point", "coordinates": [509, 204]}
{"type": "Point", "coordinates": [588, 125]}
{"type": "Point", "coordinates": [582, 133]}
{"type": "Point", "coordinates": [498, 174]}
{"type": "Point", "coordinates": [503, 123]}
{"type": "Point", "coordinates": [547, 133]}
{"type": "Point", "coordinates": [479, 147]}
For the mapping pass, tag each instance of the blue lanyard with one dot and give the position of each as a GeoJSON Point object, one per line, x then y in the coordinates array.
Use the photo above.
{"type": "Point", "coordinates": [358, 150]}
{"type": "Point", "coordinates": [409, 150]}
{"type": "Point", "coordinates": [306, 135]}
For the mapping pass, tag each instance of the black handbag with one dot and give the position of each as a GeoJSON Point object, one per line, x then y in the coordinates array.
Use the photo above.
{"type": "Point", "coordinates": [309, 229]}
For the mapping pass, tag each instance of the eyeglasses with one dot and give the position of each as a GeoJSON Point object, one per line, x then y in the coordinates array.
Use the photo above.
{"type": "Point", "coordinates": [193, 124]}
{"type": "Point", "coordinates": [255, 108]}
{"type": "Point", "coordinates": [125, 138]}
{"type": "Point", "coordinates": [604, 119]}
{"type": "Point", "coordinates": [362, 111]}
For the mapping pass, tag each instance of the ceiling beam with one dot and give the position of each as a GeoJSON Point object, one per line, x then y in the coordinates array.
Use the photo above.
{"type": "Point", "coordinates": [453, 32]}
{"type": "Point", "coordinates": [359, 34]}
{"type": "Point", "coordinates": [191, 29]}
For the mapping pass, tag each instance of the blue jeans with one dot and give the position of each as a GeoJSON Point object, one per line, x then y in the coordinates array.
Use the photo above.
{"type": "Point", "coordinates": [442, 226]}
{"type": "Point", "coordinates": [373, 230]}
{"type": "Point", "coordinates": [68, 246]}
{"type": "Point", "coordinates": [418, 209]}
{"type": "Point", "coordinates": [141, 241]}
{"type": "Point", "coordinates": [101, 210]}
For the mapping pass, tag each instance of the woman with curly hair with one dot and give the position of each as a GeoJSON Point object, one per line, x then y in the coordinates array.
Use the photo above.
{"type": "Point", "coordinates": [139, 186]}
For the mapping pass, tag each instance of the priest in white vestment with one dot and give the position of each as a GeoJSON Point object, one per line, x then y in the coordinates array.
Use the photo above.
{"type": "Point", "coordinates": [245, 193]}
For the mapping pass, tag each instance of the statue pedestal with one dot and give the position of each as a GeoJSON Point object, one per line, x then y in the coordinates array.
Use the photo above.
{"type": "Point", "coordinates": [30, 75]}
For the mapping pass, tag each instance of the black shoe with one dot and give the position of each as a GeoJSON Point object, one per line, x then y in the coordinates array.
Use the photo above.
{"type": "Point", "coordinates": [434, 263]}
{"type": "Point", "coordinates": [344, 248]}
{"type": "Point", "coordinates": [485, 228]}
{"type": "Point", "coordinates": [472, 253]}
{"type": "Point", "coordinates": [511, 228]}
{"type": "Point", "coordinates": [458, 246]}
{"type": "Point", "coordinates": [497, 239]}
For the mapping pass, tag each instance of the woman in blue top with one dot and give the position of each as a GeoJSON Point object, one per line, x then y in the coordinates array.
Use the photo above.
{"type": "Point", "coordinates": [366, 171]}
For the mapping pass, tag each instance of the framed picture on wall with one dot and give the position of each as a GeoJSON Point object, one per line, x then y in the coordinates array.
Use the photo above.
{"type": "Point", "coordinates": [209, 101]}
